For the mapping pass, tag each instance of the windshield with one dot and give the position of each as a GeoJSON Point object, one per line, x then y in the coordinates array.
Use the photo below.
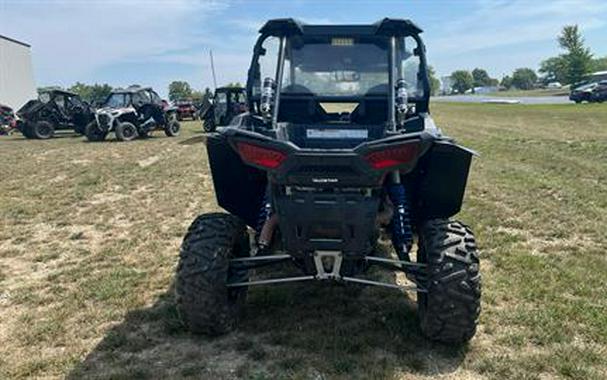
{"type": "Point", "coordinates": [118, 100]}
{"type": "Point", "coordinates": [589, 86]}
{"type": "Point", "coordinates": [335, 66]}
{"type": "Point", "coordinates": [348, 66]}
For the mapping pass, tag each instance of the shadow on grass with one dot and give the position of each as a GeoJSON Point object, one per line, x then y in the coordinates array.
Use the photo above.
{"type": "Point", "coordinates": [292, 331]}
{"type": "Point", "coordinates": [59, 135]}
{"type": "Point", "coordinates": [194, 140]}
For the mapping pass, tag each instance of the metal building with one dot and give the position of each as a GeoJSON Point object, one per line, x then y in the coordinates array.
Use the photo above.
{"type": "Point", "coordinates": [17, 84]}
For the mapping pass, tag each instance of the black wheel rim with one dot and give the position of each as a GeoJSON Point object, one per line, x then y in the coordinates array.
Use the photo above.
{"type": "Point", "coordinates": [175, 128]}
{"type": "Point", "coordinates": [128, 132]}
{"type": "Point", "coordinates": [44, 130]}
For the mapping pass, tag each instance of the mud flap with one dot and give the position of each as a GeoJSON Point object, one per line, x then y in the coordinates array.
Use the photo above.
{"type": "Point", "coordinates": [441, 180]}
{"type": "Point", "coordinates": [239, 188]}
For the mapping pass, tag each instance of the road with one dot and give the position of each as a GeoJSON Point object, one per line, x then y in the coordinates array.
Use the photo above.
{"type": "Point", "coordinates": [494, 99]}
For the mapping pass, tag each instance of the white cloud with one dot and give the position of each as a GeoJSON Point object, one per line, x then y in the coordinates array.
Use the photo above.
{"type": "Point", "coordinates": [499, 23]}
{"type": "Point", "coordinates": [72, 39]}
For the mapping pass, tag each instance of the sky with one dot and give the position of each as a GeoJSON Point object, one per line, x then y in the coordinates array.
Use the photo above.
{"type": "Point", "coordinates": [155, 42]}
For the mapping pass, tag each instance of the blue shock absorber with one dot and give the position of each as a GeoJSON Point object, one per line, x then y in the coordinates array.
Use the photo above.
{"type": "Point", "coordinates": [264, 214]}
{"type": "Point", "coordinates": [402, 235]}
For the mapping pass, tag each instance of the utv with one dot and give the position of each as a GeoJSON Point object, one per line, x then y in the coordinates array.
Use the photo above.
{"type": "Point", "coordinates": [53, 110]}
{"type": "Point", "coordinates": [227, 103]}
{"type": "Point", "coordinates": [186, 110]}
{"type": "Point", "coordinates": [338, 148]}
{"type": "Point", "coordinates": [131, 113]}
{"type": "Point", "coordinates": [7, 120]}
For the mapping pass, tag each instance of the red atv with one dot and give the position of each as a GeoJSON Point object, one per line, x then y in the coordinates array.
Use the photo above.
{"type": "Point", "coordinates": [7, 120]}
{"type": "Point", "coordinates": [186, 110]}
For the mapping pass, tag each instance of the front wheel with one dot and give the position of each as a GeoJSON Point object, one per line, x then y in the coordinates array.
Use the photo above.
{"type": "Point", "coordinates": [126, 131]}
{"type": "Point", "coordinates": [26, 130]}
{"type": "Point", "coordinates": [172, 128]}
{"type": "Point", "coordinates": [43, 130]}
{"type": "Point", "coordinates": [93, 132]}
{"type": "Point", "coordinates": [204, 302]}
{"type": "Point", "coordinates": [449, 311]}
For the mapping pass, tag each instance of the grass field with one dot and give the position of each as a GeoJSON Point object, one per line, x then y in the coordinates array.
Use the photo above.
{"type": "Point", "coordinates": [89, 234]}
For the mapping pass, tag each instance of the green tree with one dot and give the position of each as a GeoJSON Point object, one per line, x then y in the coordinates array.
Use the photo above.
{"type": "Point", "coordinates": [506, 82]}
{"type": "Point", "coordinates": [179, 90]}
{"type": "Point", "coordinates": [554, 69]}
{"type": "Point", "coordinates": [462, 81]}
{"type": "Point", "coordinates": [91, 93]}
{"type": "Point", "coordinates": [49, 88]}
{"type": "Point", "coordinates": [524, 78]}
{"type": "Point", "coordinates": [578, 57]}
{"type": "Point", "coordinates": [434, 82]}
{"type": "Point", "coordinates": [599, 64]}
{"type": "Point", "coordinates": [481, 78]}
{"type": "Point", "coordinates": [197, 96]}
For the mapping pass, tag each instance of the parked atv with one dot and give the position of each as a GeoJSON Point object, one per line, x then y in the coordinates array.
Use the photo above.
{"type": "Point", "coordinates": [318, 187]}
{"type": "Point", "coordinates": [131, 113]}
{"type": "Point", "coordinates": [227, 103]}
{"type": "Point", "coordinates": [7, 120]}
{"type": "Point", "coordinates": [53, 110]}
{"type": "Point", "coordinates": [186, 110]}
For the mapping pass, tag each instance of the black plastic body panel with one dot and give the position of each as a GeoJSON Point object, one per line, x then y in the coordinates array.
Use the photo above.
{"type": "Point", "coordinates": [439, 182]}
{"type": "Point", "coordinates": [330, 168]}
{"type": "Point", "coordinates": [329, 199]}
{"type": "Point", "coordinates": [239, 188]}
{"type": "Point", "coordinates": [336, 221]}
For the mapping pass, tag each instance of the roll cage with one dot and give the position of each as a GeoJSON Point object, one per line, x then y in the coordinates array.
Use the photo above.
{"type": "Point", "coordinates": [390, 29]}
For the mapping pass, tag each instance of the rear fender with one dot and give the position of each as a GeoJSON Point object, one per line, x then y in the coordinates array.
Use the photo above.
{"type": "Point", "coordinates": [439, 181]}
{"type": "Point", "coordinates": [239, 188]}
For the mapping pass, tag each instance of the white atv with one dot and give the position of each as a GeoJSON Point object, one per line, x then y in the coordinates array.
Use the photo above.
{"type": "Point", "coordinates": [132, 113]}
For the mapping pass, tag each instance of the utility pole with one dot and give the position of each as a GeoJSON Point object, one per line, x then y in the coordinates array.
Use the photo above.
{"type": "Point", "coordinates": [213, 70]}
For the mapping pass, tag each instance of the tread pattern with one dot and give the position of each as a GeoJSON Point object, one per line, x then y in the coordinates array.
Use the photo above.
{"type": "Point", "coordinates": [92, 133]}
{"type": "Point", "coordinates": [204, 303]}
{"type": "Point", "coordinates": [450, 310]}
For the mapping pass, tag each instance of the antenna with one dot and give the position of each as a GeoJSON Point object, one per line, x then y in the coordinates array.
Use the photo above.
{"type": "Point", "coordinates": [213, 69]}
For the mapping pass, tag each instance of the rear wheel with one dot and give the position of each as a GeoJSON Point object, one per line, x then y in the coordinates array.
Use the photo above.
{"type": "Point", "coordinates": [93, 132]}
{"type": "Point", "coordinates": [43, 130]}
{"type": "Point", "coordinates": [172, 128]}
{"type": "Point", "coordinates": [449, 311]}
{"type": "Point", "coordinates": [204, 302]}
{"type": "Point", "coordinates": [126, 131]}
{"type": "Point", "coordinates": [26, 130]}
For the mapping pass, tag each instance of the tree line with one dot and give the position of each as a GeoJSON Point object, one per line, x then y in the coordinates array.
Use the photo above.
{"type": "Point", "coordinates": [568, 68]}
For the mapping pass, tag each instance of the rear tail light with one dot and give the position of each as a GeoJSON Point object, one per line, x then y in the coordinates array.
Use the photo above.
{"type": "Point", "coordinates": [262, 156]}
{"type": "Point", "coordinates": [393, 156]}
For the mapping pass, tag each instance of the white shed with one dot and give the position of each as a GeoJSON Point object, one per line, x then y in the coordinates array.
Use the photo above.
{"type": "Point", "coordinates": [17, 84]}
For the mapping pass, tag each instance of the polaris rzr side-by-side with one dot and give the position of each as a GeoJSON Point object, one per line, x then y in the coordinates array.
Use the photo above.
{"type": "Point", "coordinates": [186, 109]}
{"type": "Point", "coordinates": [53, 110]}
{"type": "Point", "coordinates": [131, 113]}
{"type": "Point", "coordinates": [227, 103]}
{"type": "Point", "coordinates": [338, 149]}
